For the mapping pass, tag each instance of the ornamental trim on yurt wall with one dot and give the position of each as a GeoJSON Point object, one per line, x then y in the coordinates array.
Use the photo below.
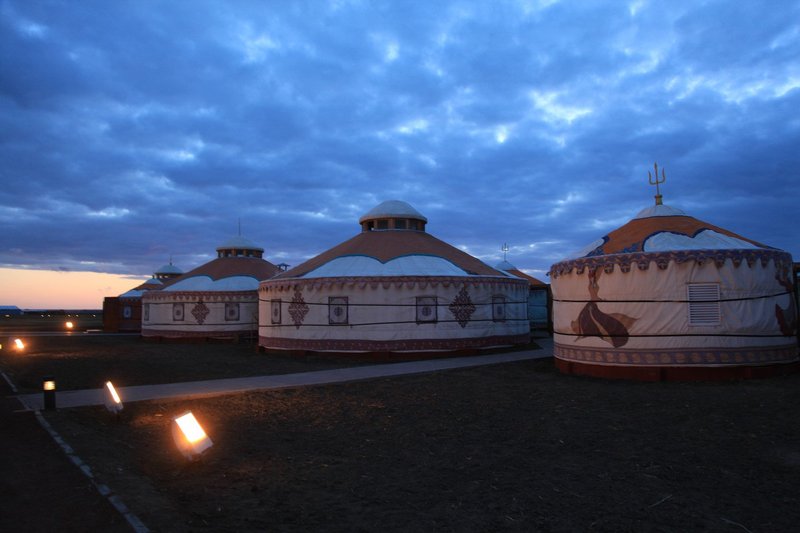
{"type": "Point", "coordinates": [275, 312]}
{"type": "Point", "coordinates": [177, 312]}
{"type": "Point", "coordinates": [498, 308]}
{"type": "Point", "coordinates": [427, 309]}
{"type": "Point", "coordinates": [200, 311]}
{"type": "Point", "coordinates": [232, 312]}
{"type": "Point", "coordinates": [338, 310]}
{"type": "Point", "coordinates": [298, 309]}
{"type": "Point", "coordinates": [462, 307]}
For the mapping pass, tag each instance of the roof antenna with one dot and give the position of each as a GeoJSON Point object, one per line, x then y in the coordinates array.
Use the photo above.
{"type": "Point", "coordinates": [656, 181]}
{"type": "Point", "coordinates": [505, 250]}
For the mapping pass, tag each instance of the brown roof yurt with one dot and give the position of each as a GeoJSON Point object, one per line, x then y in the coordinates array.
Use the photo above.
{"type": "Point", "coordinates": [216, 300]}
{"type": "Point", "coordinates": [668, 296]}
{"type": "Point", "coordinates": [392, 290]}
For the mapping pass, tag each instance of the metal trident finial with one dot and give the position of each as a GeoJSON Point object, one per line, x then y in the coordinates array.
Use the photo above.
{"type": "Point", "coordinates": [505, 250]}
{"type": "Point", "coordinates": [656, 181]}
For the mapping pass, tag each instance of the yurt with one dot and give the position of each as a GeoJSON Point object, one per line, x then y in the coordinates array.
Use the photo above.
{"type": "Point", "coordinates": [538, 296]}
{"type": "Point", "coordinates": [123, 313]}
{"type": "Point", "coordinates": [667, 296]}
{"type": "Point", "coordinates": [393, 290]}
{"type": "Point", "coordinates": [216, 300]}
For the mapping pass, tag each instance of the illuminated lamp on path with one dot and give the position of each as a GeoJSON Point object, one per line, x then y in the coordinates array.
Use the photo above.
{"type": "Point", "coordinates": [189, 436]}
{"type": "Point", "coordinates": [69, 325]}
{"type": "Point", "coordinates": [111, 399]}
{"type": "Point", "coordinates": [19, 345]}
{"type": "Point", "coordinates": [49, 392]}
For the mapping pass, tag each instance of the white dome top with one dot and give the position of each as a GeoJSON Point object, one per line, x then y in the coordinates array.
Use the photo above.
{"type": "Point", "coordinates": [238, 242]}
{"type": "Point", "coordinates": [392, 209]}
{"type": "Point", "coordinates": [169, 269]}
{"type": "Point", "coordinates": [659, 211]}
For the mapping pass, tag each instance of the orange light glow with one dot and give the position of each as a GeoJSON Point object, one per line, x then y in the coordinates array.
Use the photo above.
{"type": "Point", "coordinates": [49, 385]}
{"type": "Point", "coordinates": [113, 392]}
{"type": "Point", "coordinates": [69, 325]}
{"type": "Point", "coordinates": [19, 344]}
{"type": "Point", "coordinates": [189, 436]}
{"type": "Point", "coordinates": [111, 399]}
{"type": "Point", "coordinates": [191, 428]}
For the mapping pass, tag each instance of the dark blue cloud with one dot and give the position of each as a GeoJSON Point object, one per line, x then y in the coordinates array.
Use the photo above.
{"type": "Point", "coordinates": [134, 131]}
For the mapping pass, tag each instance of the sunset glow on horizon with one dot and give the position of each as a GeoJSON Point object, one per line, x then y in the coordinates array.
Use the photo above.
{"type": "Point", "coordinates": [52, 289]}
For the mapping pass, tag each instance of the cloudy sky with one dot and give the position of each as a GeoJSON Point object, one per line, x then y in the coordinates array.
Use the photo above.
{"type": "Point", "coordinates": [132, 132]}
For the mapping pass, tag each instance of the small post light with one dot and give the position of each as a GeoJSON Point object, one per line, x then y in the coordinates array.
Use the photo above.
{"type": "Point", "coordinates": [19, 345]}
{"type": "Point", "coordinates": [111, 399]}
{"type": "Point", "coordinates": [69, 325]}
{"type": "Point", "coordinates": [189, 436]}
{"type": "Point", "coordinates": [49, 391]}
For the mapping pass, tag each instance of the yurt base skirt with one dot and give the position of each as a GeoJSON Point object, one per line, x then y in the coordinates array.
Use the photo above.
{"type": "Point", "coordinates": [398, 349]}
{"type": "Point", "coordinates": [678, 365]}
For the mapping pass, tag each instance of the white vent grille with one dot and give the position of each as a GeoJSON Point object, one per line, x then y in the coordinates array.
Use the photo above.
{"type": "Point", "coordinates": [703, 304]}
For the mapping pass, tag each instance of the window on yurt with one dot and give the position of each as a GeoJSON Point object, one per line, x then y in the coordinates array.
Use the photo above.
{"type": "Point", "coordinates": [337, 310]}
{"type": "Point", "coordinates": [177, 312]}
{"type": "Point", "coordinates": [426, 309]}
{"type": "Point", "coordinates": [231, 312]}
{"type": "Point", "coordinates": [147, 311]}
{"type": "Point", "coordinates": [400, 223]}
{"type": "Point", "coordinates": [703, 304]}
{"type": "Point", "coordinates": [498, 308]}
{"type": "Point", "coordinates": [276, 311]}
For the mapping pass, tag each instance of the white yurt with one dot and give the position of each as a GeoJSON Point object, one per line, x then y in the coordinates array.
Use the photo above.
{"type": "Point", "coordinates": [123, 313]}
{"type": "Point", "coordinates": [393, 289]}
{"type": "Point", "coordinates": [668, 296]}
{"type": "Point", "coordinates": [216, 300]}
{"type": "Point", "coordinates": [538, 296]}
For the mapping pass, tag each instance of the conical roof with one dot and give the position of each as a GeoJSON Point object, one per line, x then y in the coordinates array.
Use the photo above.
{"type": "Point", "coordinates": [505, 266]}
{"type": "Point", "coordinates": [662, 228]}
{"type": "Point", "coordinates": [400, 252]}
{"type": "Point", "coordinates": [232, 271]}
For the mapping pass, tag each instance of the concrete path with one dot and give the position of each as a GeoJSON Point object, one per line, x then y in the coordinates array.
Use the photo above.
{"type": "Point", "coordinates": [217, 387]}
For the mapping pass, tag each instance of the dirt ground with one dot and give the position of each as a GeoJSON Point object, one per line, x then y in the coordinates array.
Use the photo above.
{"type": "Point", "coordinates": [515, 447]}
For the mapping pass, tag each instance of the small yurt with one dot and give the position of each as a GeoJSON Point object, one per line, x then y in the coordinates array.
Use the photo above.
{"type": "Point", "coordinates": [538, 296]}
{"type": "Point", "coordinates": [391, 290]}
{"type": "Point", "coordinates": [216, 300]}
{"type": "Point", "coordinates": [667, 296]}
{"type": "Point", "coordinates": [123, 313]}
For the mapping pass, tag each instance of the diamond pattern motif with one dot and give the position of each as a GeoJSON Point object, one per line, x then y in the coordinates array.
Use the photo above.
{"type": "Point", "coordinates": [462, 307]}
{"type": "Point", "coordinates": [298, 309]}
{"type": "Point", "coordinates": [200, 312]}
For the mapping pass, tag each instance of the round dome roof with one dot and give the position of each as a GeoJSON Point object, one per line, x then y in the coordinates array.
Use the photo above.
{"type": "Point", "coordinates": [169, 269]}
{"type": "Point", "coordinates": [392, 209]}
{"type": "Point", "coordinates": [237, 242]}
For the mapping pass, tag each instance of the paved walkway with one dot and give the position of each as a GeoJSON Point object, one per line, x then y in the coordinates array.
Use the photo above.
{"type": "Point", "coordinates": [217, 387]}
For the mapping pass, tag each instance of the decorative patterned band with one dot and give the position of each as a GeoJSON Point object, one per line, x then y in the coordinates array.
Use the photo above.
{"type": "Point", "coordinates": [678, 357]}
{"type": "Point", "coordinates": [365, 345]}
{"type": "Point", "coordinates": [386, 282]}
{"type": "Point", "coordinates": [197, 296]}
{"type": "Point", "coordinates": [642, 260]}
